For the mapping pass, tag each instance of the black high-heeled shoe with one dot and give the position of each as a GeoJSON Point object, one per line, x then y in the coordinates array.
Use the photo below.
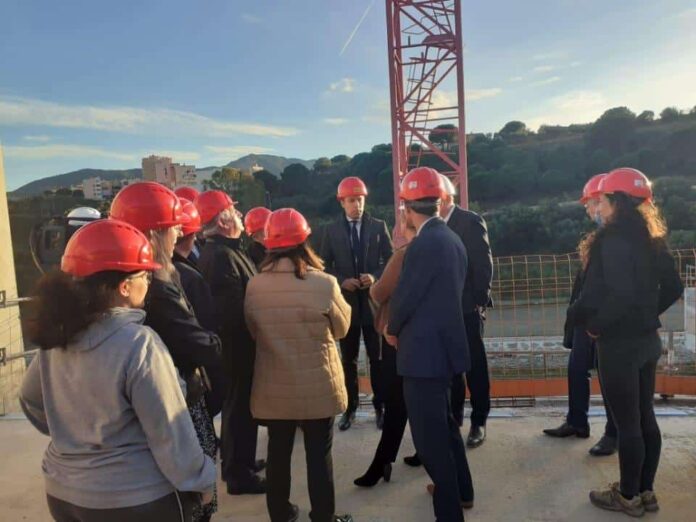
{"type": "Point", "coordinates": [373, 476]}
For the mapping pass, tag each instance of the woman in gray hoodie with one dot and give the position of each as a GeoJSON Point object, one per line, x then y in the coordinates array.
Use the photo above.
{"type": "Point", "coordinates": [105, 389]}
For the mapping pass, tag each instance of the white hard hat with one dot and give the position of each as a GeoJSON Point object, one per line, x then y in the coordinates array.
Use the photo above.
{"type": "Point", "coordinates": [84, 214]}
{"type": "Point", "coordinates": [449, 186]}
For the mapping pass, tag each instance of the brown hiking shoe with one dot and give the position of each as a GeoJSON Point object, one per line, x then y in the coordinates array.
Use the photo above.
{"type": "Point", "coordinates": [611, 499]}
{"type": "Point", "coordinates": [466, 504]}
{"type": "Point", "coordinates": [649, 501]}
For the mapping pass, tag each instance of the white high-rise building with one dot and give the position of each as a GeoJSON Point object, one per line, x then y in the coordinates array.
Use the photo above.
{"type": "Point", "coordinates": [92, 188]}
{"type": "Point", "coordinates": [161, 170]}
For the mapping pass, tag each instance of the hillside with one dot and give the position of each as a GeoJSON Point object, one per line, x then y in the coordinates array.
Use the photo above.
{"type": "Point", "coordinates": [71, 178]}
{"type": "Point", "coordinates": [273, 164]}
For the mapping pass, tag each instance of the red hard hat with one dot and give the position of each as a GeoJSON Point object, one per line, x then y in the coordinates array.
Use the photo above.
{"type": "Point", "coordinates": [148, 206]}
{"type": "Point", "coordinates": [255, 219]}
{"type": "Point", "coordinates": [285, 228]}
{"type": "Point", "coordinates": [191, 211]}
{"type": "Point", "coordinates": [189, 193]}
{"type": "Point", "coordinates": [631, 181]}
{"type": "Point", "coordinates": [351, 186]}
{"type": "Point", "coordinates": [591, 188]}
{"type": "Point", "coordinates": [211, 202]}
{"type": "Point", "coordinates": [420, 183]}
{"type": "Point", "coordinates": [107, 244]}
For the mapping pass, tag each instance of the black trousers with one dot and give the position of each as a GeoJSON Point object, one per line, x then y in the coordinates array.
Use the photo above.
{"type": "Point", "coordinates": [175, 507]}
{"type": "Point", "coordinates": [318, 439]}
{"type": "Point", "coordinates": [439, 445]}
{"type": "Point", "coordinates": [477, 379]}
{"type": "Point", "coordinates": [581, 360]}
{"type": "Point", "coordinates": [350, 349]}
{"type": "Point", "coordinates": [395, 415]}
{"type": "Point", "coordinates": [627, 368]}
{"type": "Point", "coordinates": [239, 430]}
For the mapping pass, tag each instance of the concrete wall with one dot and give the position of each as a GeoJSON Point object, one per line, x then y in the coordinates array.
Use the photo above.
{"type": "Point", "coordinates": [10, 330]}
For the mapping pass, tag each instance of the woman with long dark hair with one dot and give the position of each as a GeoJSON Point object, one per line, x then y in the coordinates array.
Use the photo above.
{"type": "Point", "coordinates": [104, 388]}
{"type": "Point", "coordinates": [395, 415]}
{"type": "Point", "coordinates": [630, 279]}
{"type": "Point", "coordinates": [296, 313]}
{"type": "Point", "coordinates": [157, 212]}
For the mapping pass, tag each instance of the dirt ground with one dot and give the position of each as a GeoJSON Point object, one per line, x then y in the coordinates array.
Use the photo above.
{"type": "Point", "coordinates": [519, 474]}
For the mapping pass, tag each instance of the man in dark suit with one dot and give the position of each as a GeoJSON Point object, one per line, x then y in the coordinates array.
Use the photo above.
{"type": "Point", "coordinates": [227, 269]}
{"type": "Point", "coordinates": [471, 229]}
{"type": "Point", "coordinates": [426, 324]}
{"type": "Point", "coordinates": [355, 249]}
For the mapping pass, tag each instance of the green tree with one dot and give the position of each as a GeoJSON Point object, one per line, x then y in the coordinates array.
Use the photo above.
{"type": "Point", "coordinates": [612, 131]}
{"type": "Point", "coordinates": [269, 180]}
{"type": "Point", "coordinates": [294, 179]}
{"type": "Point", "coordinates": [226, 179]}
{"type": "Point", "coordinates": [646, 117]}
{"type": "Point", "coordinates": [670, 114]}
{"type": "Point", "coordinates": [322, 165]}
{"type": "Point", "coordinates": [340, 159]}
{"type": "Point", "coordinates": [444, 135]}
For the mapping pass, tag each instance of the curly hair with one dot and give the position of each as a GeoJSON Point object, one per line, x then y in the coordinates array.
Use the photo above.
{"type": "Point", "coordinates": [638, 219]}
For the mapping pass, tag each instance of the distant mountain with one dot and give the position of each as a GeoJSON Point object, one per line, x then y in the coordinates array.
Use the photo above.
{"type": "Point", "coordinates": [274, 164]}
{"type": "Point", "coordinates": [71, 178]}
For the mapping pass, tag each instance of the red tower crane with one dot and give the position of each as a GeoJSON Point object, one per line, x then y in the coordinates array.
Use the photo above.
{"type": "Point", "coordinates": [426, 82]}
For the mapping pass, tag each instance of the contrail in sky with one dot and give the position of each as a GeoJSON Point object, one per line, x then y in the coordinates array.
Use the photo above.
{"type": "Point", "coordinates": [362, 19]}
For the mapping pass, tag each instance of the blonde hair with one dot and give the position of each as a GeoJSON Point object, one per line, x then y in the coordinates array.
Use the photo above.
{"type": "Point", "coordinates": [158, 240]}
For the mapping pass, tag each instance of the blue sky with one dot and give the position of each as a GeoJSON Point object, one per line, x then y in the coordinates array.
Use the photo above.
{"type": "Point", "coordinates": [100, 84]}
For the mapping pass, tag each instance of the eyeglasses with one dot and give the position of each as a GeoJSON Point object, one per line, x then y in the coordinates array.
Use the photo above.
{"type": "Point", "coordinates": [146, 275]}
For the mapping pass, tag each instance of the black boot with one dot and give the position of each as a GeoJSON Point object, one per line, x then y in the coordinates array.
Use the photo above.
{"type": "Point", "coordinates": [373, 475]}
{"type": "Point", "coordinates": [347, 420]}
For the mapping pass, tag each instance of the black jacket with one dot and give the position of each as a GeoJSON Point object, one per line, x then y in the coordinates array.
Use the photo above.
{"type": "Point", "coordinates": [471, 229]}
{"type": "Point", "coordinates": [377, 248]}
{"type": "Point", "coordinates": [196, 290]}
{"type": "Point", "coordinates": [256, 252]}
{"type": "Point", "coordinates": [227, 269]}
{"type": "Point", "coordinates": [568, 327]}
{"type": "Point", "coordinates": [190, 345]}
{"type": "Point", "coordinates": [627, 285]}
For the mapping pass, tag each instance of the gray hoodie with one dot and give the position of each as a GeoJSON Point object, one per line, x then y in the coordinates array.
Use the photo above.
{"type": "Point", "coordinates": [113, 406]}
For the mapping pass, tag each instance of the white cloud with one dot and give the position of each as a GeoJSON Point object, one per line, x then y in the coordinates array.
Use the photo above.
{"type": "Point", "coordinates": [336, 121]}
{"type": "Point", "coordinates": [543, 68]}
{"type": "Point", "coordinates": [26, 111]}
{"type": "Point", "coordinates": [251, 19]}
{"type": "Point", "coordinates": [343, 85]}
{"type": "Point", "coordinates": [551, 55]}
{"type": "Point", "coordinates": [516, 79]}
{"type": "Point", "coordinates": [688, 13]}
{"type": "Point", "coordinates": [231, 153]}
{"type": "Point", "coordinates": [480, 94]}
{"type": "Point", "coordinates": [575, 64]}
{"type": "Point", "coordinates": [545, 81]}
{"type": "Point", "coordinates": [42, 138]}
{"type": "Point", "coordinates": [44, 152]}
{"type": "Point", "coordinates": [571, 107]}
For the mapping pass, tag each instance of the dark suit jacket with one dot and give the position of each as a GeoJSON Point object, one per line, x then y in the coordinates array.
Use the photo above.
{"type": "Point", "coordinates": [471, 229]}
{"type": "Point", "coordinates": [227, 269]}
{"type": "Point", "coordinates": [377, 248]}
{"type": "Point", "coordinates": [197, 291]}
{"type": "Point", "coordinates": [426, 307]}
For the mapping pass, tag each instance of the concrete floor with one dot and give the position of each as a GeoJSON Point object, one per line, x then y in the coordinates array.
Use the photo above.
{"type": "Point", "coordinates": [519, 474]}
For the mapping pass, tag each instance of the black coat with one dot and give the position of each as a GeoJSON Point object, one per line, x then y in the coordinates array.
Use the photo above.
{"type": "Point", "coordinates": [190, 345]}
{"type": "Point", "coordinates": [197, 291]}
{"type": "Point", "coordinates": [568, 327]}
{"type": "Point", "coordinates": [336, 251]}
{"type": "Point", "coordinates": [471, 229]}
{"type": "Point", "coordinates": [198, 294]}
{"type": "Point", "coordinates": [256, 252]}
{"type": "Point", "coordinates": [627, 285]}
{"type": "Point", "coordinates": [228, 269]}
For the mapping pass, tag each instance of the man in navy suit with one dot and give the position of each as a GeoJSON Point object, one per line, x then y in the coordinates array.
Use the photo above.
{"type": "Point", "coordinates": [426, 322]}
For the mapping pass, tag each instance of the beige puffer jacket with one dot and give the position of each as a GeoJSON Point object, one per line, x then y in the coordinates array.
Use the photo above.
{"type": "Point", "coordinates": [296, 322]}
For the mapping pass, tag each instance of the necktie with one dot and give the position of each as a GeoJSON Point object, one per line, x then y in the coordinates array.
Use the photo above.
{"type": "Point", "coordinates": [355, 246]}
